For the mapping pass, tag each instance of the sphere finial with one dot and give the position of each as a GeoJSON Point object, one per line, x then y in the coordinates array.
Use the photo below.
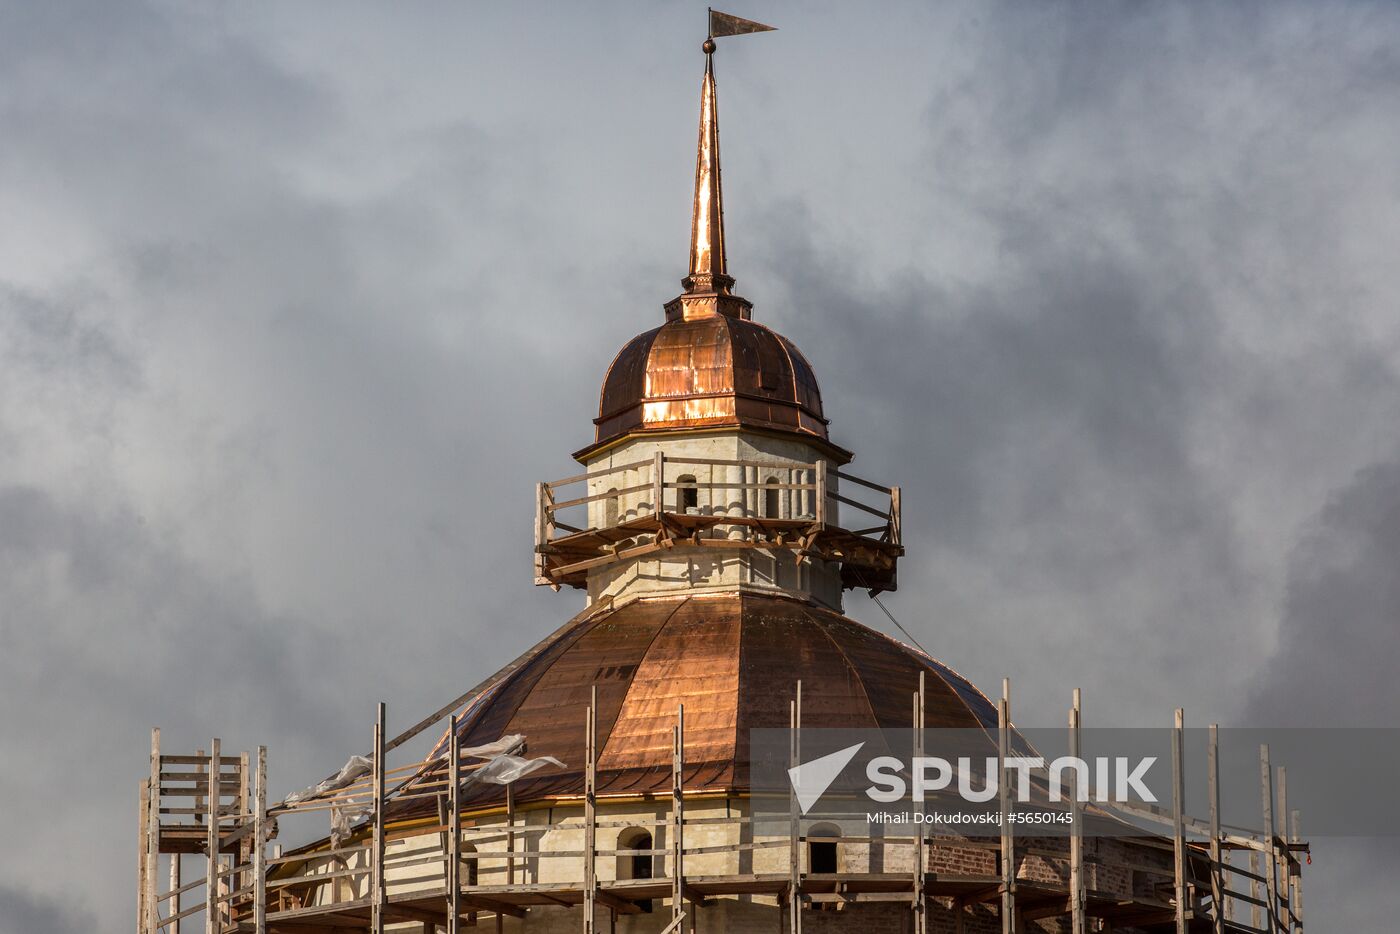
{"type": "Point", "coordinates": [708, 46]}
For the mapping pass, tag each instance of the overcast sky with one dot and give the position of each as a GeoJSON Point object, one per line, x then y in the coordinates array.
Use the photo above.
{"type": "Point", "coordinates": [297, 301]}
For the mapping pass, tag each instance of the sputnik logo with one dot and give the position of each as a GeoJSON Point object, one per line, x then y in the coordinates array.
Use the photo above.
{"type": "Point", "coordinates": [810, 780]}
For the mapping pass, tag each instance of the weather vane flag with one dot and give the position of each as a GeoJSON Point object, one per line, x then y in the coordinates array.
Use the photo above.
{"type": "Point", "coordinates": [707, 261]}
{"type": "Point", "coordinates": [725, 24]}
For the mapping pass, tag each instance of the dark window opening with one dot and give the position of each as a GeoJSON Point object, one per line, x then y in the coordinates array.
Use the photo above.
{"type": "Point", "coordinates": [821, 852]}
{"type": "Point", "coordinates": [688, 494]}
{"type": "Point", "coordinates": [635, 865]}
{"type": "Point", "coordinates": [772, 502]}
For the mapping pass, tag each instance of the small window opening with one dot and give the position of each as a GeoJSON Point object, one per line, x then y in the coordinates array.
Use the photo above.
{"type": "Point", "coordinates": [821, 853]}
{"type": "Point", "coordinates": [772, 499]}
{"type": "Point", "coordinates": [688, 494]}
{"type": "Point", "coordinates": [635, 865]}
{"type": "Point", "coordinates": [469, 874]}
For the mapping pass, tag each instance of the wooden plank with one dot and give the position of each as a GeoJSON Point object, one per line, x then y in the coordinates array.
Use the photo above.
{"type": "Point", "coordinates": [590, 807]}
{"type": "Point", "coordinates": [1285, 889]}
{"type": "Point", "coordinates": [794, 899]}
{"type": "Point", "coordinates": [722, 462]}
{"type": "Point", "coordinates": [153, 833]}
{"type": "Point", "coordinates": [143, 817]}
{"type": "Point", "coordinates": [1266, 797]}
{"type": "Point", "coordinates": [377, 881]}
{"type": "Point", "coordinates": [678, 814]}
{"type": "Point", "coordinates": [658, 484]}
{"type": "Point", "coordinates": [1296, 879]}
{"type": "Point", "coordinates": [260, 845]}
{"type": "Point", "coordinates": [595, 474]}
{"type": "Point", "coordinates": [1217, 895]}
{"type": "Point", "coordinates": [175, 889]}
{"type": "Point", "coordinates": [198, 759]}
{"type": "Point", "coordinates": [1077, 894]}
{"type": "Point", "coordinates": [1008, 842]}
{"type": "Point", "coordinates": [919, 899]}
{"type": "Point", "coordinates": [453, 878]}
{"type": "Point", "coordinates": [865, 483]}
{"type": "Point", "coordinates": [1178, 823]}
{"type": "Point", "coordinates": [859, 505]}
{"type": "Point", "coordinates": [594, 497]}
{"type": "Point", "coordinates": [211, 868]}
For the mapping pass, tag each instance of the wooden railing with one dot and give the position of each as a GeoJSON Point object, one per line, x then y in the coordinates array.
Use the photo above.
{"type": "Point", "coordinates": [453, 876]}
{"type": "Point", "coordinates": [628, 510]}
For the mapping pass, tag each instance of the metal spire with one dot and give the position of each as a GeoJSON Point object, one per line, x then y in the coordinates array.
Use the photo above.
{"type": "Point", "coordinates": [707, 261]}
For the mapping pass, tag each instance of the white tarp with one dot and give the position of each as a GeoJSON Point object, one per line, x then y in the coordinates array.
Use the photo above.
{"type": "Point", "coordinates": [504, 769]}
{"type": "Point", "coordinates": [506, 744]}
{"type": "Point", "coordinates": [356, 767]}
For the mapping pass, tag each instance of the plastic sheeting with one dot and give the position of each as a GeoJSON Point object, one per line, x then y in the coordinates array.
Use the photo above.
{"type": "Point", "coordinates": [509, 743]}
{"type": "Point", "coordinates": [343, 819]}
{"type": "Point", "coordinates": [504, 769]}
{"type": "Point", "coordinates": [356, 767]}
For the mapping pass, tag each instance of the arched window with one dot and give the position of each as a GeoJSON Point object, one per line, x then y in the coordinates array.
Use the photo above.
{"type": "Point", "coordinates": [469, 871]}
{"type": "Point", "coordinates": [610, 509]}
{"type": "Point", "coordinates": [772, 502]}
{"type": "Point", "coordinates": [821, 853]}
{"type": "Point", "coordinates": [635, 865]}
{"type": "Point", "coordinates": [687, 493]}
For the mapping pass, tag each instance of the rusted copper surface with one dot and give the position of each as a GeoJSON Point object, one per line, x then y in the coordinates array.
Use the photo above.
{"type": "Point", "coordinates": [734, 661]}
{"type": "Point", "coordinates": [710, 372]}
{"type": "Point", "coordinates": [709, 365]}
{"type": "Point", "coordinates": [707, 266]}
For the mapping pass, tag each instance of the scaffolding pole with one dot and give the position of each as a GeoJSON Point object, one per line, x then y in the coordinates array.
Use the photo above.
{"type": "Point", "coordinates": [454, 829]}
{"type": "Point", "coordinates": [678, 816]}
{"type": "Point", "coordinates": [921, 839]}
{"type": "Point", "coordinates": [1217, 887]}
{"type": "Point", "coordinates": [260, 846]}
{"type": "Point", "coordinates": [378, 884]}
{"type": "Point", "coordinates": [1266, 793]}
{"type": "Point", "coordinates": [590, 812]}
{"type": "Point", "coordinates": [1179, 819]}
{"type": "Point", "coordinates": [1008, 842]}
{"type": "Point", "coordinates": [1077, 893]}
{"type": "Point", "coordinates": [211, 843]}
{"type": "Point", "coordinates": [795, 829]}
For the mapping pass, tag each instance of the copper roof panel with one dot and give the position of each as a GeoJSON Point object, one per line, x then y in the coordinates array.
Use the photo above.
{"type": "Point", "coordinates": [734, 661]}
{"type": "Point", "coordinates": [708, 372]}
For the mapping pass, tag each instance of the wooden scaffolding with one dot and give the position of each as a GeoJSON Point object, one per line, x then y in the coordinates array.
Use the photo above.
{"type": "Point", "coordinates": [215, 807]}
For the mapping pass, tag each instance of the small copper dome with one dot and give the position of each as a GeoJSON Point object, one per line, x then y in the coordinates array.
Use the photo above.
{"type": "Point", "coordinates": [710, 372]}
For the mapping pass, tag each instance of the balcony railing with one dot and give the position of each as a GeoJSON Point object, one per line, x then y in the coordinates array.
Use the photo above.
{"type": "Point", "coordinates": [636, 509]}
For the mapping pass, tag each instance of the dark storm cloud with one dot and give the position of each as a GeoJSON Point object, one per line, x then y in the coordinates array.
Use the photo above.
{"type": "Point", "coordinates": [1337, 653]}
{"type": "Point", "coordinates": [1339, 639]}
{"type": "Point", "coordinates": [22, 912]}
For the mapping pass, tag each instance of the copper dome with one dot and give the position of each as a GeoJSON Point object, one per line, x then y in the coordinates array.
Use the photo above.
{"type": "Point", "coordinates": [709, 372]}
{"type": "Point", "coordinates": [733, 660]}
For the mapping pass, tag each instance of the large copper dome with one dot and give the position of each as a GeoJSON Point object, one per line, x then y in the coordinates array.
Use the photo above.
{"type": "Point", "coordinates": [734, 660]}
{"type": "Point", "coordinates": [710, 372]}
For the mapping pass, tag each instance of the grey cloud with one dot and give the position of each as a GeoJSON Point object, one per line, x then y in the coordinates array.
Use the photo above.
{"type": "Point", "coordinates": [23, 912]}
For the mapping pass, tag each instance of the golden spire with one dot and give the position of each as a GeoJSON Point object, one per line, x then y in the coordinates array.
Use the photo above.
{"type": "Point", "coordinates": [707, 287]}
{"type": "Point", "coordinates": [707, 262]}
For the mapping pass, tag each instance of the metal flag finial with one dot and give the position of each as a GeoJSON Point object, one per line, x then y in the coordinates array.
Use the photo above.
{"type": "Point", "coordinates": [725, 24]}
{"type": "Point", "coordinates": [707, 260]}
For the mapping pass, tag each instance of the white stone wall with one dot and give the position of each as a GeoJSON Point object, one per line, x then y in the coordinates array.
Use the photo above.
{"type": "Point", "coordinates": [699, 570]}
